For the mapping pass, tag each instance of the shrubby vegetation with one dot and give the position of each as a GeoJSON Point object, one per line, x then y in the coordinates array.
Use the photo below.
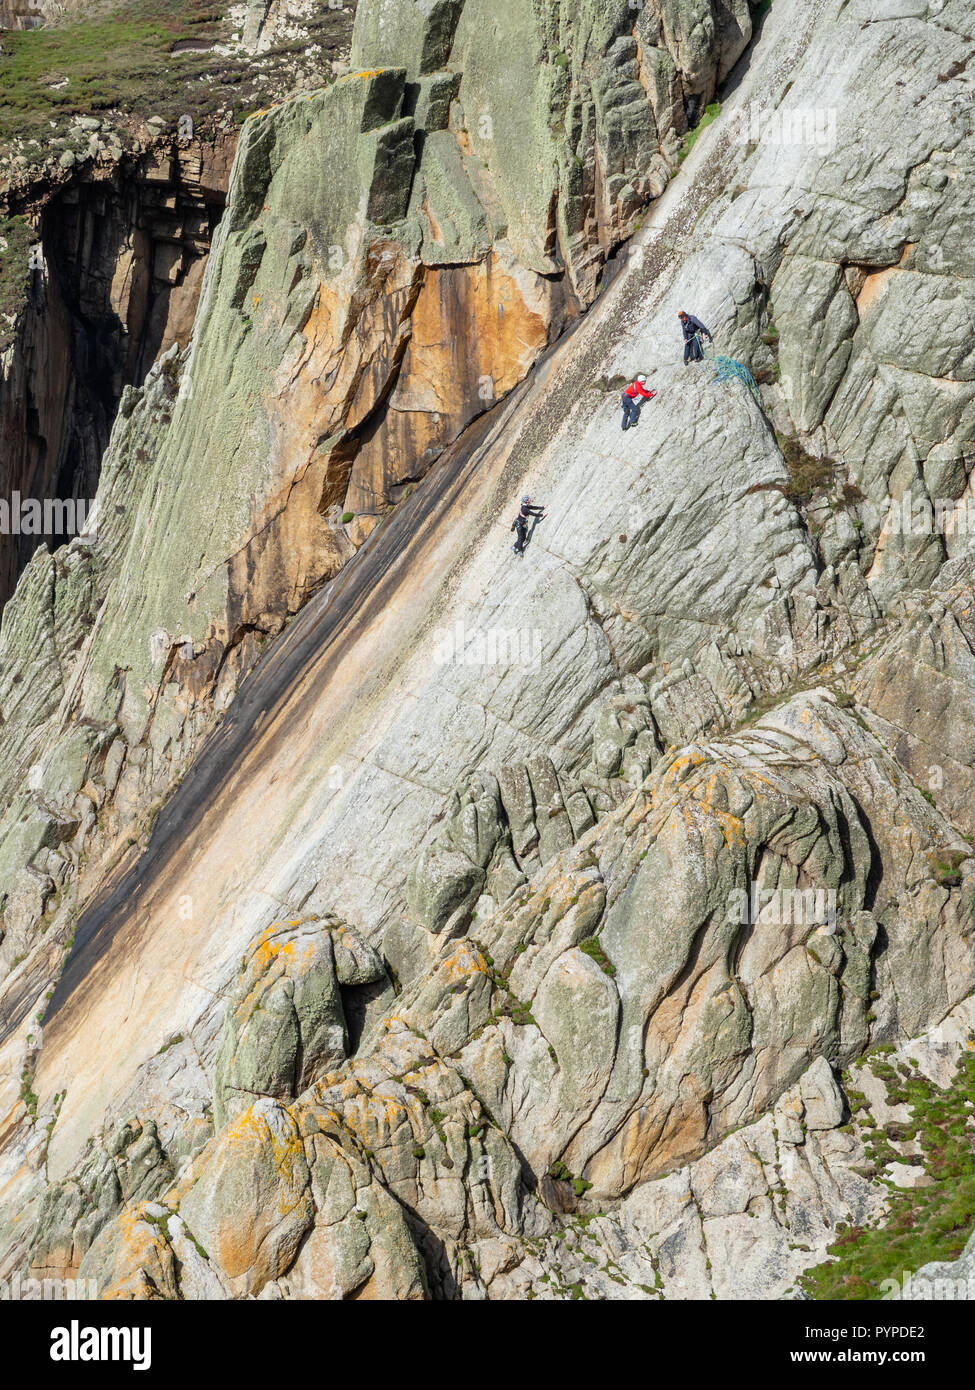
{"type": "Point", "coordinates": [120, 57]}
{"type": "Point", "coordinates": [14, 243]}
{"type": "Point", "coordinates": [929, 1222]}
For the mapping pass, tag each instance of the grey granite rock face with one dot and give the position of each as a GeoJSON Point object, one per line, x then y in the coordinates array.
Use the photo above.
{"type": "Point", "coordinates": [285, 1022]}
{"type": "Point", "coordinates": [574, 114]}
{"type": "Point", "coordinates": [644, 824]}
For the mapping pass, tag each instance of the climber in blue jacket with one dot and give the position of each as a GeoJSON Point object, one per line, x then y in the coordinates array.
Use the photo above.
{"type": "Point", "coordinates": [693, 352]}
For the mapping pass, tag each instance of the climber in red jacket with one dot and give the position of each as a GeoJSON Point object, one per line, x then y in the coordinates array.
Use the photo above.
{"type": "Point", "coordinates": [631, 410]}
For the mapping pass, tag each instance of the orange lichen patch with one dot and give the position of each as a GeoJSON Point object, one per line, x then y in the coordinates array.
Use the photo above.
{"type": "Point", "coordinates": [251, 1129]}
{"type": "Point", "coordinates": [363, 76]}
{"type": "Point", "coordinates": [732, 827]}
{"type": "Point", "coordinates": [421, 1077]}
{"type": "Point", "coordinates": [143, 1265]}
{"type": "Point", "coordinates": [330, 1079]}
{"type": "Point", "coordinates": [142, 1240]}
{"type": "Point", "coordinates": [269, 945]}
{"type": "Point", "coordinates": [348, 1086]}
{"type": "Point", "coordinates": [465, 960]}
{"type": "Point", "coordinates": [273, 949]}
{"type": "Point", "coordinates": [372, 1119]}
{"type": "Point", "coordinates": [679, 769]}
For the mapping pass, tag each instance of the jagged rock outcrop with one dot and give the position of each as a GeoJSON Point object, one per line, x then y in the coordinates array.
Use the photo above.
{"type": "Point", "coordinates": [28, 14]}
{"type": "Point", "coordinates": [117, 265]}
{"type": "Point", "coordinates": [617, 1019]}
{"type": "Point", "coordinates": [285, 1022]}
{"type": "Point", "coordinates": [131, 1167]}
{"type": "Point", "coordinates": [575, 111]}
{"type": "Point", "coordinates": [359, 401]}
{"type": "Point", "coordinates": [917, 686]}
{"type": "Point", "coordinates": [621, 1001]}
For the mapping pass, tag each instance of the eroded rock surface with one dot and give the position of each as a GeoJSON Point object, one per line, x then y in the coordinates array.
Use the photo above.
{"type": "Point", "coordinates": [636, 905]}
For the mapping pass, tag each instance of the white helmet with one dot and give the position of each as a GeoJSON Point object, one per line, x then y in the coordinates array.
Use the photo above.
{"type": "Point", "coordinates": [641, 378]}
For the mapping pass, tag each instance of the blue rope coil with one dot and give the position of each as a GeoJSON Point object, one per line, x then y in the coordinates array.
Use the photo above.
{"type": "Point", "coordinates": [727, 369]}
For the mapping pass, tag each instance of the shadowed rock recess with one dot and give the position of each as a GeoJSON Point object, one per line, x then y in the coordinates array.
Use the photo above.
{"type": "Point", "coordinates": [384, 916]}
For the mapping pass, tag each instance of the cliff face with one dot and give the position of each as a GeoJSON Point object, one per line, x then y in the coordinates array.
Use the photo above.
{"type": "Point", "coordinates": [429, 953]}
{"type": "Point", "coordinates": [114, 282]}
{"type": "Point", "coordinates": [25, 14]}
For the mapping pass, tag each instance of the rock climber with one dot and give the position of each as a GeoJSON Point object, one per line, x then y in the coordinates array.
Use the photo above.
{"type": "Point", "coordinates": [520, 524]}
{"type": "Point", "coordinates": [693, 351]}
{"type": "Point", "coordinates": [631, 408]}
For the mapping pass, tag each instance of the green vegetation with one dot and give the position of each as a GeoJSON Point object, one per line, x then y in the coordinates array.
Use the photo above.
{"type": "Point", "coordinates": [14, 245]}
{"type": "Point", "coordinates": [690, 139]}
{"type": "Point", "coordinates": [121, 57]}
{"type": "Point", "coordinates": [593, 949]}
{"type": "Point", "coordinates": [58, 1101]}
{"type": "Point", "coordinates": [560, 1173]}
{"type": "Point", "coordinates": [927, 1223]}
{"type": "Point", "coordinates": [946, 865]}
{"type": "Point", "coordinates": [520, 1013]}
{"type": "Point", "coordinates": [116, 58]}
{"type": "Point", "coordinates": [28, 1095]}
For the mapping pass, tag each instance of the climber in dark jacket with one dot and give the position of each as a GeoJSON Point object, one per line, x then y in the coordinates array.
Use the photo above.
{"type": "Point", "coordinates": [693, 351]}
{"type": "Point", "coordinates": [520, 523]}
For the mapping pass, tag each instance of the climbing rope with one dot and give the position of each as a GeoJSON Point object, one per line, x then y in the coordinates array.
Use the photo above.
{"type": "Point", "coordinates": [727, 369]}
